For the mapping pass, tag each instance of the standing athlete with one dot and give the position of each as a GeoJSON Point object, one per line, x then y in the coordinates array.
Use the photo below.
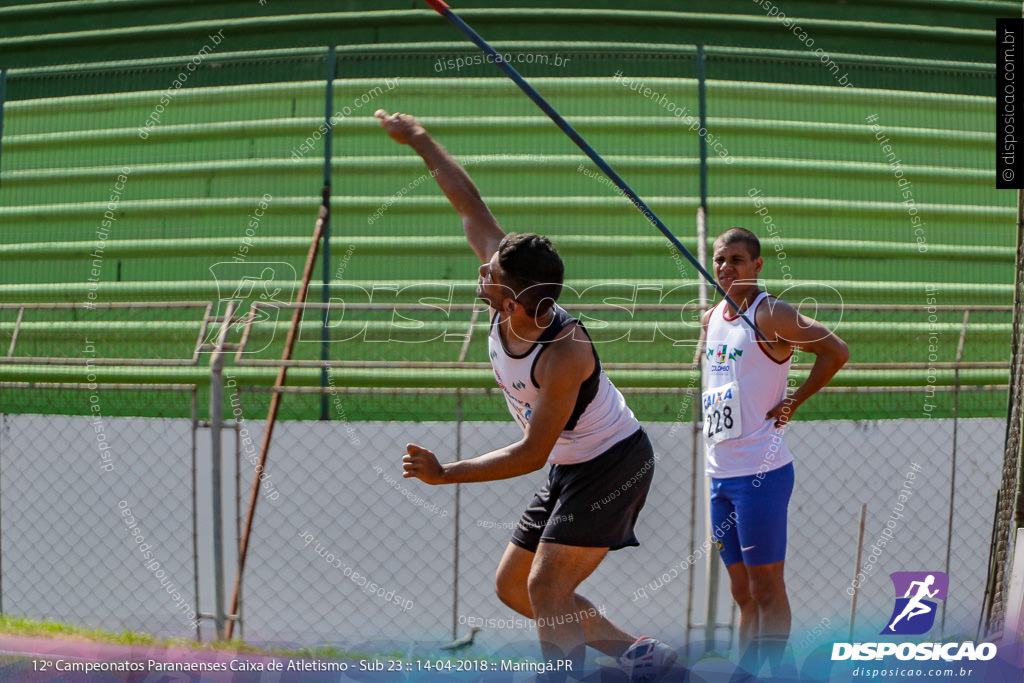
{"type": "Point", "coordinates": [745, 412]}
{"type": "Point", "coordinates": [572, 417]}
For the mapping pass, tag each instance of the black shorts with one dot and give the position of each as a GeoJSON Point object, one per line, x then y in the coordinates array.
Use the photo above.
{"type": "Point", "coordinates": [593, 504]}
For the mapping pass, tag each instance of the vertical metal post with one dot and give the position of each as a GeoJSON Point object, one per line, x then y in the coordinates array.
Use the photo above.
{"type": "Point", "coordinates": [710, 614]}
{"type": "Point", "coordinates": [458, 507]}
{"type": "Point", "coordinates": [332, 67]}
{"type": "Point", "coordinates": [195, 512]}
{"type": "Point", "coordinates": [238, 509]}
{"type": "Point", "coordinates": [952, 479]}
{"type": "Point", "coordinates": [3, 99]}
{"type": "Point", "coordinates": [702, 251]}
{"type": "Point", "coordinates": [702, 209]}
{"type": "Point", "coordinates": [711, 563]}
{"type": "Point", "coordinates": [458, 489]}
{"type": "Point", "coordinates": [216, 422]}
{"type": "Point", "coordinates": [695, 444]}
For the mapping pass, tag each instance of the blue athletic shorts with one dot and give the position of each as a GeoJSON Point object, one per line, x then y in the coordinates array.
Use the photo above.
{"type": "Point", "coordinates": [748, 519]}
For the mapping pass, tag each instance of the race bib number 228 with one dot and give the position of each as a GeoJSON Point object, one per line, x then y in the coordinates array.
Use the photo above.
{"type": "Point", "coordinates": [722, 418]}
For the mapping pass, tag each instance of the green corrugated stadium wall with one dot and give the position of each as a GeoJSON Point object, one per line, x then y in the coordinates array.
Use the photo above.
{"type": "Point", "coordinates": [226, 139]}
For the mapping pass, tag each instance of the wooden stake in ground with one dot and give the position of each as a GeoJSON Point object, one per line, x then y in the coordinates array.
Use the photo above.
{"type": "Point", "coordinates": [275, 404]}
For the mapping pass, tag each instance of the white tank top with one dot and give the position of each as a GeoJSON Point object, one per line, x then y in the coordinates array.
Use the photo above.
{"type": "Point", "coordinates": [601, 417]}
{"type": "Point", "coordinates": [741, 384]}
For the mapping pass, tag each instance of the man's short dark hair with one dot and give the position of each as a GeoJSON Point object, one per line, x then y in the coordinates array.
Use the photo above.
{"type": "Point", "coordinates": [736, 235]}
{"type": "Point", "coordinates": [532, 269]}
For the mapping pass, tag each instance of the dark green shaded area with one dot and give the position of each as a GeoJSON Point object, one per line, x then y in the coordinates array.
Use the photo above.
{"type": "Point", "coordinates": [864, 197]}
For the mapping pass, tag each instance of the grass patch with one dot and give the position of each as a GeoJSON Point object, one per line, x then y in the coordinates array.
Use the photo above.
{"type": "Point", "coordinates": [25, 626]}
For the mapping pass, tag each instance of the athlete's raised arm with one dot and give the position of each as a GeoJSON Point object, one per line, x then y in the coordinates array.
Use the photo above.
{"type": "Point", "coordinates": [482, 231]}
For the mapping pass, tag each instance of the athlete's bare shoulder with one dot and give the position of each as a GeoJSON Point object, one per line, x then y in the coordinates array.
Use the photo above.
{"type": "Point", "coordinates": [774, 309]}
{"type": "Point", "coordinates": [570, 353]}
{"type": "Point", "coordinates": [783, 323]}
{"type": "Point", "coordinates": [705, 317]}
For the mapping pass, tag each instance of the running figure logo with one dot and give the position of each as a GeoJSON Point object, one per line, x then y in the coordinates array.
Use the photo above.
{"type": "Point", "coordinates": [914, 612]}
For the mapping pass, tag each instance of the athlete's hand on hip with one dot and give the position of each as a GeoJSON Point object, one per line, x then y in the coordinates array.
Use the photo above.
{"type": "Point", "coordinates": [401, 127]}
{"type": "Point", "coordinates": [782, 412]}
{"type": "Point", "coordinates": [422, 464]}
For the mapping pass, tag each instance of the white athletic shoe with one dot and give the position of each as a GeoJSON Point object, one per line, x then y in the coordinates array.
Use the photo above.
{"type": "Point", "coordinates": [647, 660]}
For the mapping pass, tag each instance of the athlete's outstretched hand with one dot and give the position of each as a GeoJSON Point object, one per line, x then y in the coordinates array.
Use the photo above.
{"type": "Point", "coordinates": [401, 127]}
{"type": "Point", "coordinates": [422, 464]}
{"type": "Point", "coordinates": [782, 412]}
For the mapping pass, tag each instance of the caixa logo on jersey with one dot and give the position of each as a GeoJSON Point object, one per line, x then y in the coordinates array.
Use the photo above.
{"type": "Point", "coordinates": [917, 600]}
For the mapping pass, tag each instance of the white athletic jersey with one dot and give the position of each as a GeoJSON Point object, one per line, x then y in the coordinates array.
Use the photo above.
{"type": "Point", "coordinates": [601, 417]}
{"type": "Point", "coordinates": [741, 384]}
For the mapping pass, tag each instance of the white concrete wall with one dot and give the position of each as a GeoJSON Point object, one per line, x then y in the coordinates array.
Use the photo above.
{"type": "Point", "coordinates": [68, 552]}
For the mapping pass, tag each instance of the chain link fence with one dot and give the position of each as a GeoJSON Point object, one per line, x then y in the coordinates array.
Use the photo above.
{"type": "Point", "coordinates": [1009, 513]}
{"type": "Point", "coordinates": [351, 548]}
{"type": "Point", "coordinates": [346, 552]}
{"type": "Point", "coordinates": [99, 513]}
